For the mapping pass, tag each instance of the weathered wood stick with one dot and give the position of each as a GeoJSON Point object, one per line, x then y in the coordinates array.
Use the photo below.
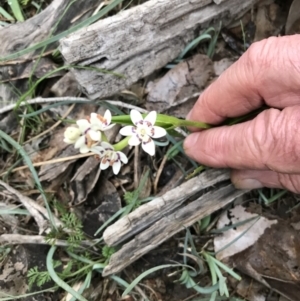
{"type": "Point", "coordinates": [22, 35]}
{"type": "Point", "coordinates": [149, 213]}
{"type": "Point", "coordinates": [138, 41]}
{"type": "Point", "coordinates": [169, 226]}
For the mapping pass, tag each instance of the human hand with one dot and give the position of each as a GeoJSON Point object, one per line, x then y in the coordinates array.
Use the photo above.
{"type": "Point", "coordinates": [264, 151]}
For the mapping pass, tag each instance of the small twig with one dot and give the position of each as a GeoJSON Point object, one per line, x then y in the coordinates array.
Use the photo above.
{"type": "Point", "coordinates": [16, 239]}
{"type": "Point", "coordinates": [28, 204]}
{"type": "Point", "coordinates": [54, 125]}
{"type": "Point", "coordinates": [160, 169]}
{"type": "Point", "coordinates": [150, 289]}
{"type": "Point", "coordinates": [136, 167]}
{"type": "Point", "coordinates": [51, 162]}
{"type": "Point", "coordinates": [42, 100]}
{"type": "Point", "coordinates": [37, 211]}
{"type": "Point", "coordinates": [126, 105]}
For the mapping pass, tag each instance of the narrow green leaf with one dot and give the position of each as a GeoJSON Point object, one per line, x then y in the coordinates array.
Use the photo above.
{"type": "Point", "coordinates": [27, 160]}
{"type": "Point", "coordinates": [6, 15]}
{"type": "Point", "coordinates": [193, 44]}
{"type": "Point", "coordinates": [63, 34]}
{"type": "Point", "coordinates": [84, 285]}
{"type": "Point", "coordinates": [146, 273]}
{"type": "Point", "coordinates": [226, 268]}
{"type": "Point", "coordinates": [13, 211]}
{"type": "Point", "coordinates": [57, 280]}
{"type": "Point", "coordinates": [16, 9]}
{"type": "Point", "coordinates": [111, 219]}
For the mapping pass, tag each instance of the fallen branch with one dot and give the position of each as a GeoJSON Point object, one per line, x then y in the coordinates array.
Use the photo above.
{"type": "Point", "coordinates": [149, 213]}
{"type": "Point", "coordinates": [26, 34]}
{"type": "Point", "coordinates": [140, 40]}
{"type": "Point", "coordinates": [17, 239]}
{"type": "Point", "coordinates": [169, 225]}
{"type": "Point", "coordinates": [38, 212]}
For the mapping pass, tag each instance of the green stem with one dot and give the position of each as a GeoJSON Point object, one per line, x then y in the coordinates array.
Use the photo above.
{"type": "Point", "coordinates": [103, 137]}
{"type": "Point", "coordinates": [122, 144]}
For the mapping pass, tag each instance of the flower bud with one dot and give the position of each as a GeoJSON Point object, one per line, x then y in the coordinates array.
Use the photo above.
{"type": "Point", "coordinates": [71, 135]}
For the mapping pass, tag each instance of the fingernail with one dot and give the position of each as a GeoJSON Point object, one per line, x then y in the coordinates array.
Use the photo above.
{"type": "Point", "coordinates": [248, 184]}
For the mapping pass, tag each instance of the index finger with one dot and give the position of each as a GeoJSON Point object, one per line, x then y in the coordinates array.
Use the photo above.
{"type": "Point", "coordinates": [267, 73]}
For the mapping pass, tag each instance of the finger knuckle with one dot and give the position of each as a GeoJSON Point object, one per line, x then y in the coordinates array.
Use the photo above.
{"type": "Point", "coordinates": [259, 52]}
{"type": "Point", "coordinates": [279, 139]}
{"type": "Point", "coordinates": [290, 182]}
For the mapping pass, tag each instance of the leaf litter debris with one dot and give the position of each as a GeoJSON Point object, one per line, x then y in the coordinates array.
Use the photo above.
{"type": "Point", "coordinates": [85, 199]}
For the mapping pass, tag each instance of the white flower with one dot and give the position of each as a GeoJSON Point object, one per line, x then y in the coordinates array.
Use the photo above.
{"type": "Point", "coordinates": [143, 131]}
{"type": "Point", "coordinates": [71, 134]}
{"type": "Point", "coordinates": [87, 138]}
{"type": "Point", "coordinates": [101, 123]}
{"type": "Point", "coordinates": [109, 157]}
{"type": "Point", "coordinates": [74, 136]}
{"type": "Point", "coordinates": [88, 133]}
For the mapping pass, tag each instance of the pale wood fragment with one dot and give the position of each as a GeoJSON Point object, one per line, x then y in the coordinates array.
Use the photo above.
{"type": "Point", "coordinates": [30, 32]}
{"type": "Point", "coordinates": [138, 41]}
{"type": "Point", "coordinates": [219, 1]}
{"type": "Point", "coordinates": [38, 212]}
{"type": "Point", "coordinates": [149, 213]}
{"type": "Point", "coordinates": [170, 225]}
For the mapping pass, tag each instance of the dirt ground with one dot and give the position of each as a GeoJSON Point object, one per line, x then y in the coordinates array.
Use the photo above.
{"type": "Point", "coordinates": [247, 240]}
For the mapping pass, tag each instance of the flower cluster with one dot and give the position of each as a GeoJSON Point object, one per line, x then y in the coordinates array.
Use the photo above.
{"type": "Point", "coordinates": [88, 136]}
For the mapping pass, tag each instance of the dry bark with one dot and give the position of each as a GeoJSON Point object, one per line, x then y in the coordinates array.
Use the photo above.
{"type": "Point", "coordinates": [169, 225]}
{"type": "Point", "coordinates": [34, 30]}
{"type": "Point", "coordinates": [147, 214]}
{"type": "Point", "coordinates": [140, 40]}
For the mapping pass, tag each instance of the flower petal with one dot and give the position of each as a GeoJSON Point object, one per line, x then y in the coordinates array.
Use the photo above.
{"type": "Point", "coordinates": [108, 127]}
{"type": "Point", "coordinates": [98, 150]}
{"type": "Point", "coordinates": [104, 165]}
{"type": "Point", "coordinates": [84, 149]}
{"type": "Point", "coordinates": [107, 116]}
{"type": "Point", "coordinates": [83, 125]}
{"type": "Point", "coordinates": [80, 141]}
{"type": "Point", "coordinates": [149, 147]}
{"type": "Point", "coordinates": [116, 167]}
{"type": "Point", "coordinates": [106, 145]}
{"type": "Point", "coordinates": [134, 140]}
{"type": "Point", "coordinates": [95, 135]}
{"type": "Point", "coordinates": [72, 133]}
{"type": "Point", "coordinates": [123, 157]}
{"type": "Point", "coordinates": [159, 132]}
{"type": "Point", "coordinates": [94, 120]}
{"type": "Point", "coordinates": [136, 116]}
{"type": "Point", "coordinates": [67, 140]}
{"type": "Point", "coordinates": [151, 117]}
{"type": "Point", "coordinates": [127, 130]}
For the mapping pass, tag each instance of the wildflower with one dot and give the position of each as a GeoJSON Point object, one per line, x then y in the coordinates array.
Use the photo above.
{"type": "Point", "coordinates": [82, 137]}
{"type": "Point", "coordinates": [143, 131]}
{"type": "Point", "coordinates": [71, 134]}
{"type": "Point", "coordinates": [101, 123]}
{"type": "Point", "coordinates": [110, 157]}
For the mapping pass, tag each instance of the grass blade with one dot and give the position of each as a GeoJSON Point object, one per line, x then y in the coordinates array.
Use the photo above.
{"type": "Point", "coordinates": [27, 160]}
{"type": "Point", "coordinates": [57, 280]}
{"type": "Point", "coordinates": [16, 9]}
{"type": "Point", "coordinates": [61, 35]}
{"type": "Point", "coordinates": [6, 15]}
{"type": "Point", "coordinates": [146, 273]}
{"type": "Point", "coordinates": [13, 211]}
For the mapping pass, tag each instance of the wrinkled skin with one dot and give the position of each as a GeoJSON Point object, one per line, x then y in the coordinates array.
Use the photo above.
{"type": "Point", "coordinates": [264, 151]}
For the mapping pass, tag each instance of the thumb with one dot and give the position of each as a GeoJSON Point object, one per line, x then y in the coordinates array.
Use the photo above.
{"type": "Point", "coordinates": [252, 179]}
{"type": "Point", "coordinates": [271, 141]}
